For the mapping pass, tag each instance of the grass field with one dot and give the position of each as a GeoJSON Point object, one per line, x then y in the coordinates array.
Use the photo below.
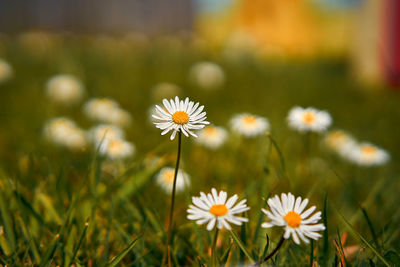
{"type": "Point", "coordinates": [60, 207]}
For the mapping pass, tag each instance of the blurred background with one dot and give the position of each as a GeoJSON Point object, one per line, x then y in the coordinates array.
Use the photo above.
{"type": "Point", "coordinates": [363, 31]}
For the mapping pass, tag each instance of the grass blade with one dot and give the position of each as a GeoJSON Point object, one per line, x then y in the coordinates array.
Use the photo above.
{"type": "Point", "coordinates": [120, 256]}
{"type": "Point", "coordinates": [371, 228]}
{"type": "Point", "coordinates": [50, 251]}
{"type": "Point", "coordinates": [7, 222]}
{"type": "Point", "coordinates": [241, 246]}
{"type": "Point", "coordinates": [364, 240]}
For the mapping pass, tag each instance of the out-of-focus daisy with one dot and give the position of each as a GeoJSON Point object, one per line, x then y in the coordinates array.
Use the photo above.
{"type": "Point", "coordinates": [309, 119]}
{"type": "Point", "coordinates": [64, 132]}
{"type": "Point", "coordinates": [207, 75]}
{"type": "Point", "coordinates": [289, 213]}
{"type": "Point", "coordinates": [249, 125]}
{"type": "Point", "coordinates": [336, 140]}
{"type": "Point", "coordinates": [6, 71]}
{"type": "Point", "coordinates": [212, 136]}
{"type": "Point", "coordinates": [117, 149]}
{"type": "Point", "coordinates": [215, 209]}
{"type": "Point", "coordinates": [65, 89]}
{"type": "Point", "coordinates": [165, 90]}
{"type": "Point", "coordinates": [107, 111]}
{"type": "Point", "coordinates": [180, 115]}
{"type": "Point", "coordinates": [367, 154]}
{"type": "Point", "coordinates": [165, 178]}
{"type": "Point", "coordinates": [105, 132]}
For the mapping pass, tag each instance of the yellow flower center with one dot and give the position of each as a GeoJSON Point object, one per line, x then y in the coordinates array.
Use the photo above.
{"type": "Point", "coordinates": [115, 145]}
{"type": "Point", "coordinates": [210, 130]}
{"type": "Point", "coordinates": [219, 210]}
{"type": "Point", "coordinates": [169, 176]}
{"type": "Point", "coordinates": [308, 117]}
{"type": "Point", "coordinates": [249, 119]}
{"type": "Point", "coordinates": [293, 219]}
{"type": "Point", "coordinates": [369, 150]}
{"type": "Point", "coordinates": [180, 117]}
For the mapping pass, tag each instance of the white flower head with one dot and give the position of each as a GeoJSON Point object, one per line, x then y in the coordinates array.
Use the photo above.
{"type": "Point", "coordinates": [116, 149]}
{"type": "Point", "coordinates": [215, 209]}
{"type": "Point", "coordinates": [108, 111]}
{"type": "Point", "coordinates": [64, 132]}
{"type": "Point", "coordinates": [180, 115]}
{"type": "Point", "coordinates": [309, 119]}
{"type": "Point", "coordinates": [165, 179]}
{"type": "Point", "coordinates": [207, 75]}
{"type": "Point", "coordinates": [65, 89]}
{"type": "Point", "coordinates": [289, 213]}
{"type": "Point", "coordinates": [337, 140]}
{"type": "Point", "coordinates": [6, 71]}
{"type": "Point", "coordinates": [212, 137]}
{"type": "Point", "coordinates": [105, 132]}
{"type": "Point", "coordinates": [366, 154]}
{"type": "Point", "coordinates": [249, 125]}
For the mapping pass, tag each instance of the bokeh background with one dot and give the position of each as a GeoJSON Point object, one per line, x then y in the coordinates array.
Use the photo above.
{"type": "Point", "coordinates": [337, 55]}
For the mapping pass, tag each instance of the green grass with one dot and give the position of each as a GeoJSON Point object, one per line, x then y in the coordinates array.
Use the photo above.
{"type": "Point", "coordinates": [58, 208]}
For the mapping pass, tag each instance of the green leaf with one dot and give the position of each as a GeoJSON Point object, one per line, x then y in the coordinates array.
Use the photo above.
{"type": "Point", "coordinates": [123, 253]}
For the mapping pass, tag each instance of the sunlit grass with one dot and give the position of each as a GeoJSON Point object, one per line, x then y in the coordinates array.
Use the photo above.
{"type": "Point", "coordinates": [60, 206]}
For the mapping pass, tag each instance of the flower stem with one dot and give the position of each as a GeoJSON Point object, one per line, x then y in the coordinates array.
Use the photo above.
{"type": "Point", "coordinates": [214, 259]}
{"type": "Point", "coordinates": [171, 212]}
{"type": "Point", "coordinates": [280, 243]}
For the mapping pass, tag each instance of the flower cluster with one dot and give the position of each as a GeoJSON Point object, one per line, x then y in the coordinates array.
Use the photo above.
{"type": "Point", "coordinates": [360, 153]}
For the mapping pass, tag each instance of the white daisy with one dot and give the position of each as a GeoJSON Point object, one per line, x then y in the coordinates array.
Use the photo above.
{"type": "Point", "coordinates": [64, 132]}
{"type": "Point", "coordinates": [117, 149]}
{"type": "Point", "coordinates": [105, 132]}
{"type": "Point", "coordinates": [336, 140]}
{"type": "Point", "coordinates": [207, 75]}
{"type": "Point", "coordinates": [212, 137]}
{"type": "Point", "coordinates": [165, 179]}
{"type": "Point", "coordinates": [288, 213]}
{"type": "Point", "coordinates": [6, 71]}
{"type": "Point", "coordinates": [249, 125]}
{"type": "Point", "coordinates": [309, 119]}
{"type": "Point", "coordinates": [107, 111]}
{"type": "Point", "coordinates": [367, 154]}
{"type": "Point", "coordinates": [181, 115]}
{"type": "Point", "coordinates": [65, 89]}
{"type": "Point", "coordinates": [216, 210]}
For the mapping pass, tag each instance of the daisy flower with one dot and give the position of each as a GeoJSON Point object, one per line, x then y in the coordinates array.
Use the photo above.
{"type": "Point", "coordinates": [212, 137]}
{"type": "Point", "coordinates": [105, 132]}
{"type": "Point", "coordinates": [64, 132]}
{"type": "Point", "coordinates": [215, 210]}
{"type": "Point", "coordinates": [6, 71]}
{"type": "Point", "coordinates": [65, 89]}
{"type": "Point", "coordinates": [165, 179]}
{"type": "Point", "coordinates": [107, 111]}
{"type": "Point", "coordinates": [309, 119]}
{"type": "Point", "coordinates": [117, 149]}
{"type": "Point", "coordinates": [180, 115]}
{"type": "Point", "coordinates": [289, 213]}
{"type": "Point", "coordinates": [249, 125]}
{"type": "Point", "coordinates": [367, 154]}
{"type": "Point", "coordinates": [337, 140]}
{"type": "Point", "coordinates": [207, 75]}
